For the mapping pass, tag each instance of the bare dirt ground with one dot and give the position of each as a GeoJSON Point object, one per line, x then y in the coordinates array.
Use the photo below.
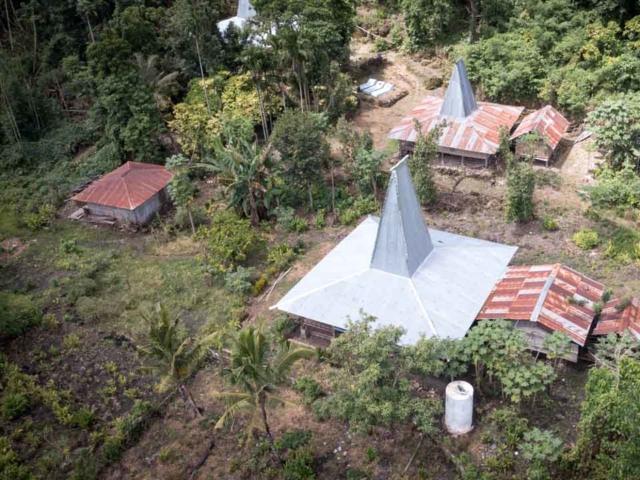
{"type": "Point", "coordinates": [405, 73]}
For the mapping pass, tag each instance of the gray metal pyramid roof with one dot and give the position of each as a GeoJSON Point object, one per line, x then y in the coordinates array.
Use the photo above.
{"type": "Point", "coordinates": [459, 100]}
{"type": "Point", "coordinates": [403, 240]}
{"type": "Point", "coordinates": [429, 282]}
{"type": "Point", "coordinates": [245, 9]}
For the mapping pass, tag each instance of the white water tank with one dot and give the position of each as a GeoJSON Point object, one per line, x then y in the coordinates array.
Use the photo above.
{"type": "Point", "coordinates": [458, 408]}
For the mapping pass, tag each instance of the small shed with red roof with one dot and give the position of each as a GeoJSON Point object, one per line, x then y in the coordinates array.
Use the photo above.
{"type": "Point", "coordinates": [620, 316]}
{"type": "Point", "coordinates": [132, 193]}
{"type": "Point", "coordinates": [541, 299]}
{"type": "Point", "coordinates": [547, 126]}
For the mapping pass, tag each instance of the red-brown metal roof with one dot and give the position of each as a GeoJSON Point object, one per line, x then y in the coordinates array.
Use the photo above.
{"type": "Point", "coordinates": [479, 132]}
{"type": "Point", "coordinates": [540, 294]}
{"type": "Point", "coordinates": [613, 320]}
{"type": "Point", "coordinates": [127, 187]}
{"type": "Point", "coordinates": [547, 122]}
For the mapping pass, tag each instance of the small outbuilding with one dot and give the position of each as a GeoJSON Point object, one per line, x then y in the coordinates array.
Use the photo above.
{"type": "Point", "coordinates": [619, 316]}
{"type": "Point", "coordinates": [541, 299]}
{"type": "Point", "coordinates": [132, 193]}
{"type": "Point", "coordinates": [471, 130]}
{"type": "Point", "coordinates": [429, 282]}
{"type": "Point", "coordinates": [547, 126]}
{"type": "Point", "coordinates": [244, 13]}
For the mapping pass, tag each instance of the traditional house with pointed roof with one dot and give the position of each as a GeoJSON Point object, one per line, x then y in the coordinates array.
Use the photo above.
{"type": "Point", "coordinates": [549, 126]}
{"type": "Point", "coordinates": [132, 193]}
{"type": "Point", "coordinates": [470, 130]}
{"type": "Point", "coordinates": [429, 282]}
{"type": "Point", "coordinates": [245, 12]}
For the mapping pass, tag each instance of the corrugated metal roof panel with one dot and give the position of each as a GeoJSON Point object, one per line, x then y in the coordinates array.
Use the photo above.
{"type": "Point", "coordinates": [547, 122]}
{"type": "Point", "coordinates": [479, 132]}
{"type": "Point", "coordinates": [555, 311]}
{"type": "Point", "coordinates": [440, 298]}
{"type": "Point", "coordinates": [459, 100]}
{"type": "Point", "coordinates": [127, 187]}
{"type": "Point", "coordinates": [613, 320]}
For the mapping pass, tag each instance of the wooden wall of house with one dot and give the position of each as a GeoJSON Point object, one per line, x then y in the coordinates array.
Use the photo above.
{"type": "Point", "coordinates": [453, 158]}
{"type": "Point", "coordinates": [320, 330]}
{"type": "Point", "coordinates": [536, 335]}
{"type": "Point", "coordinates": [541, 151]}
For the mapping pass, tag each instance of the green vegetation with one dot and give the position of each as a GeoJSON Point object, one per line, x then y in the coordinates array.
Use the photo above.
{"type": "Point", "coordinates": [586, 239]}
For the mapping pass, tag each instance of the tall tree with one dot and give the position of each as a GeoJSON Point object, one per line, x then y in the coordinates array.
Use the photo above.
{"type": "Point", "coordinates": [299, 138]}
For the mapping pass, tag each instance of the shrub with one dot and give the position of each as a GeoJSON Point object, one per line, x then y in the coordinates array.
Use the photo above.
{"type": "Point", "coordinates": [240, 281]}
{"type": "Point", "coordinates": [319, 220]}
{"type": "Point", "coordinates": [540, 448]}
{"type": "Point", "coordinates": [14, 405]}
{"type": "Point", "coordinates": [10, 468]}
{"type": "Point", "coordinates": [310, 389]}
{"type": "Point", "coordinates": [69, 246]}
{"type": "Point", "coordinates": [71, 342]}
{"type": "Point", "coordinates": [281, 256]}
{"type": "Point", "coordinates": [288, 221]}
{"type": "Point", "coordinates": [371, 453]}
{"type": "Point", "coordinates": [282, 327]}
{"type": "Point", "coordinates": [18, 313]}
{"type": "Point", "coordinates": [258, 287]}
{"type": "Point", "coordinates": [519, 192]}
{"type": "Point", "coordinates": [586, 239]}
{"type": "Point", "coordinates": [181, 217]}
{"type": "Point", "coordinates": [348, 216]}
{"type": "Point", "coordinates": [84, 417]}
{"type": "Point", "coordinates": [50, 321]}
{"type": "Point", "coordinates": [85, 467]}
{"type": "Point", "coordinates": [294, 439]}
{"type": "Point", "coordinates": [299, 465]}
{"type": "Point", "coordinates": [623, 246]}
{"type": "Point", "coordinates": [40, 219]}
{"type": "Point", "coordinates": [230, 240]}
{"type": "Point", "coordinates": [550, 224]}
{"type": "Point", "coordinates": [112, 450]}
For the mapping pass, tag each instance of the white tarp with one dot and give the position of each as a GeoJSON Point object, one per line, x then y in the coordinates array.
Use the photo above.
{"type": "Point", "coordinates": [376, 88]}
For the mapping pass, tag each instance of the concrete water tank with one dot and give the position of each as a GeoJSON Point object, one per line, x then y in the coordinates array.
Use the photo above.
{"type": "Point", "coordinates": [458, 408]}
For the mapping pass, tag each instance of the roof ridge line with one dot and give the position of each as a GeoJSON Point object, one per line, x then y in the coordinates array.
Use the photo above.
{"type": "Point", "coordinates": [126, 187]}
{"type": "Point", "coordinates": [424, 310]}
{"type": "Point", "coordinates": [544, 292]}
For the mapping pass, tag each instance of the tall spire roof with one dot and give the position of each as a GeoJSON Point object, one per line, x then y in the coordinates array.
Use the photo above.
{"type": "Point", "coordinates": [403, 240]}
{"type": "Point", "coordinates": [245, 9]}
{"type": "Point", "coordinates": [459, 101]}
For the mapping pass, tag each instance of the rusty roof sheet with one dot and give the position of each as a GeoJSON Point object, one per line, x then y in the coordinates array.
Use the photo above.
{"type": "Point", "coordinates": [540, 294]}
{"type": "Point", "coordinates": [615, 320]}
{"type": "Point", "coordinates": [547, 122]}
{"type": "Point", "coordinates": [479, 132]}
{"type": "Point", "coordinates": [127, 187]}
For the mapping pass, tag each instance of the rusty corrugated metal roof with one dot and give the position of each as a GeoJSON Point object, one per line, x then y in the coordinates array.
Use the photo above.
{"type": "Point", "coordinates": [540, 294]}
{"type": "Point", "coordinates": [613, 320]}
{"type": "Point", "coordinates": [547, 122]}
{"type": "Point", "coordinates": [479, 132]}
{"type": "Point", "coordinates": [127, 187]}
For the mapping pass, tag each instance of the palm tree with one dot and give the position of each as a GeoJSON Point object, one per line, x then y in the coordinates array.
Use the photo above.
{"type": "Point", "coordinates": [256, 370]}
{"type": "Point", "coordinates": [292, 54]}
{"type": "Point", "coordinates": [257, 61]}
{"type": "Point", "coordinates": [158, 81]}
{"type": "Point", "coordinates": [168, 352]}
{"type": "Point", "coordinates": [243, 168]}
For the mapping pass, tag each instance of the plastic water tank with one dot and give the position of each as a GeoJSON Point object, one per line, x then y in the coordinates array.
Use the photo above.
{"type": "Point", "coordinates": [458, 408]}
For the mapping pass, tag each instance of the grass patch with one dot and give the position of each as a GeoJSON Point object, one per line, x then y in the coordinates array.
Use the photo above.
{"type": "Point", "coordinates": [623, 246]}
